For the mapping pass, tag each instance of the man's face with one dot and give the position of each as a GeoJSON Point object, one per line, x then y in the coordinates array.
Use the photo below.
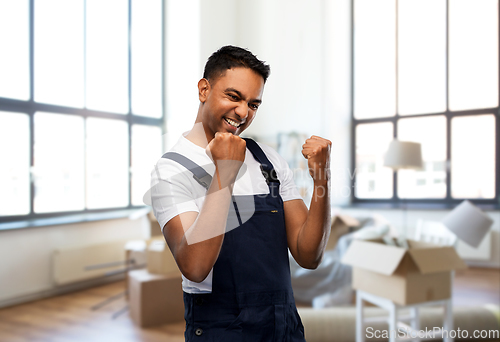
{"type": "Point", "coordinates": [230, 102]}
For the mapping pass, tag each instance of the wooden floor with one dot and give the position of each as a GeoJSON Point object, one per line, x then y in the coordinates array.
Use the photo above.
{"type": "Point", "coordinates": [476, 286]}
{"type": "Point", "coordinates": [71, 318]}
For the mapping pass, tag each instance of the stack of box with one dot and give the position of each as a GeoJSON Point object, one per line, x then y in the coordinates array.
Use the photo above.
{"type": "Point", "coordinates": [159, 258]}
{"type": "Point", "coordinates": [155, 293]}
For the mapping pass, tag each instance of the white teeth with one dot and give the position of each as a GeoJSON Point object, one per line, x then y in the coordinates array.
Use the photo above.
{"type": "Point", "coordinates": [232, 123]}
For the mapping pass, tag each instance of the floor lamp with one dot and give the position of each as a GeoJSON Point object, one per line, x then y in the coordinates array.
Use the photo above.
{"type": "Point", "coordinates": [404, 155]}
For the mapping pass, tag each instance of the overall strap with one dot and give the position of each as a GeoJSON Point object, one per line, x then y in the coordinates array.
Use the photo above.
{"type": "Point", "coordinates": [265, 165]}
{"type": "Point", "coordinates": [199, 174]}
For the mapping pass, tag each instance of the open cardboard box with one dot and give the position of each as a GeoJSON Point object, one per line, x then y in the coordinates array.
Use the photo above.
{"type": "Point", "coordinates": [341, 224]}
{"type": "Point", "coordinates": [419, 274]}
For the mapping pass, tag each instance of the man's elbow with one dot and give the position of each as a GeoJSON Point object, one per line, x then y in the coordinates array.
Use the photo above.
{"type": "Point", "coordinates": [195, 273]}
{"type": "Point", "coordinates": [311, 264]}
{"type": "Point", "coordinates": [197, 278]}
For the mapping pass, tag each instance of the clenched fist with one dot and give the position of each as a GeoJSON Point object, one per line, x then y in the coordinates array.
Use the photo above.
{"type": "Point", "coordinates": [226, 146]}
{"type": "Point", "coordinates": [317, 152]}
{"type": "Point", "coordinates": [227, 151]}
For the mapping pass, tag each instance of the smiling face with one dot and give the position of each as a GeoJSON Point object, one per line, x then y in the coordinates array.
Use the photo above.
{"type": "Point", "coordinates": [229, 103]}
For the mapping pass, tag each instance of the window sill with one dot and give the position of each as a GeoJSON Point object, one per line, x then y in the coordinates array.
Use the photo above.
{"type": "Point", "coordinates": [77, 218]}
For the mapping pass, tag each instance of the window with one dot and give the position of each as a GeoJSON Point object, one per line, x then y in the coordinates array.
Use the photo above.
{"type": "Point", "coordinates": [81, 105]}
{"type": "Point", "coordinates": [426, 71]}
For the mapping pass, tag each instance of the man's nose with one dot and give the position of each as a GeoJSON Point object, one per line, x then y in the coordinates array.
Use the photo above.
{"type": "Point", "coordinates": [242, 110]}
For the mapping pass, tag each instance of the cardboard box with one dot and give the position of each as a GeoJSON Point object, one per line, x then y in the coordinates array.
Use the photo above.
{"type": "Point", "coordinates": [155, 229]}
{"type": "Point", "coordinates": [419, 274]}
{"type": "Point", "coordinates": [341, 224]}
{"type": "Point", "coordinates": [135, 253]}
{"type": "Point", "coordinates": [135, 257]}
{"type": "Point", "coordinates": [155, 299]}
{"type": "Point", "coordinates": [160, 259]}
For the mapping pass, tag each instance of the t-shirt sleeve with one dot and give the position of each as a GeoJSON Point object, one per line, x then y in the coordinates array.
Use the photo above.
{"type": "Point", "coordinates": [171, 192]}
{"type": "Point", "coordinates": [288, 189]}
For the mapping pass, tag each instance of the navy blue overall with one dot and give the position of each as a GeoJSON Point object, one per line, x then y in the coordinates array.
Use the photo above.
{"type": "Point", "coordinates": [252, 298]}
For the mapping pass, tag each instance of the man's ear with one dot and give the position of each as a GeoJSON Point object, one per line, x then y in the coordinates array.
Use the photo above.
{"type": "Point", "coordinates": [203, 89]}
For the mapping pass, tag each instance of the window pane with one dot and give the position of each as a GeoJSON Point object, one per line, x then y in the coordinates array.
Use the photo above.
{"type": "Point", "coordinates": [107, 55]}
{"type": "Point", "coordinates": [147, 58]}
{"type": "Point", "coordinates": [146, 149]}
{"type": "Point", "coordinates": [422, 56]}
{"type": "Point", "coordinates": [14, 40]}
{"type": "Point", "coordinates": [58, 167]}
{"type": "Point", "coordinates": [473, 156]}
{"type": "Point", "coordinates": [373, 180]}
{"type": "Point", "coordinates": [107, 163]}
{"type": "Point", "coordinates": [374, 58]}
{"type": "Point", "coordinates": [430, 182]}
{"type": "Point", "coordinates": [59, 52]}
{"type": "Point", "coordinates": [473, 54]}
{"type": "Point", "coordinates": [14, 173]}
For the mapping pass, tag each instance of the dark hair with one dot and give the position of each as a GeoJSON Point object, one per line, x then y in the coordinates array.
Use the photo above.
{"type": "Point", "coordinates": [228, 57]}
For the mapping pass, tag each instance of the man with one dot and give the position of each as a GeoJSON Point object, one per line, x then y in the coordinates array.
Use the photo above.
{"type": "Point", "coordinates": [230, 233]}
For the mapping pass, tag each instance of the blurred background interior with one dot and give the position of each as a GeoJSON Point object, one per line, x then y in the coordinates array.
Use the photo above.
{"type": "Point", "coordinates": [93, 92]}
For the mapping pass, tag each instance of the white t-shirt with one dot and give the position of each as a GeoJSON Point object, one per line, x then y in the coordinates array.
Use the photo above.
{"type": "Point", "coordinates": [175, 191]}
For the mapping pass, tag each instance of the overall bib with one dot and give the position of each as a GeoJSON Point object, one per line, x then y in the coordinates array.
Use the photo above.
{"type": "Point", "coordinates": [252, 298]}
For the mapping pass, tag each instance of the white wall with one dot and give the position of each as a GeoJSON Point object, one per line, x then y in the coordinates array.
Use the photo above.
{"type": "Point", "coordinates": [183, 67]}
{"type": "Point", "coordinates": [26, 254]}
{"type": "Point", "coordinates": [218, 26]}
{"type": "Point", "coordinates": [292, 42]}
{"type": "Point", "coordinates": [338, 96]}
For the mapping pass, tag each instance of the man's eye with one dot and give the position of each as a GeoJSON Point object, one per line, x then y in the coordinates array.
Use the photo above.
{"type": "Point", "coordinates": [234, 97]}
{"type": "Point", "coordinates": [254, 106]}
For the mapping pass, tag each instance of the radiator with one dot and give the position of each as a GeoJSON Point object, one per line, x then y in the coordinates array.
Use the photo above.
{"type": "Point", "coordinates": [83, 263]}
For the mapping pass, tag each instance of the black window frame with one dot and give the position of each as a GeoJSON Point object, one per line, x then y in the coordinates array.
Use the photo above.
{"type": "Point", "coordinates": [30, 107]}
{"type": "Point", "coordinates": [448, 201]}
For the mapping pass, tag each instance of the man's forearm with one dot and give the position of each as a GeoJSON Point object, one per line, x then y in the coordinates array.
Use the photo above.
{"type": "Point", "coordinates": [315, 231]}
{"type": "Point", "coordinates": [202, 241]}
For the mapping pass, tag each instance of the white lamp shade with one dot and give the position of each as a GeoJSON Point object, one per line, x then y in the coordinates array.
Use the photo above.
{"type": "Point", "coordinates": [403, 155]}
{"type": "Point", "coordinates": [469, 223]}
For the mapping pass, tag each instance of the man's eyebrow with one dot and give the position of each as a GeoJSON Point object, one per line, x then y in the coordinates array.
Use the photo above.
{"type": "Point", "coordinates": [241, 95]}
